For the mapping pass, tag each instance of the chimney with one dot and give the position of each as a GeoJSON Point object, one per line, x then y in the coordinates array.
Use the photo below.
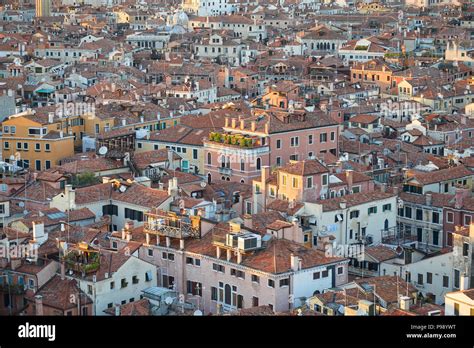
{"type": "Point", "coordinates": [170, 159]}
{"type": "Point", "coordinates": [233, 122]}
{"type": "Point", "coordinates": [117, 310]}
{"type": "Point", "coordinates": [464, 282]}
{"type": "Point", "coordinates": [63, 270]}
{"type": "Point", "coordinates": [459, 197]}
{"type": "Point", "coordinates": [38, 232]}
{"type": "Point", "coordinates": [254, 126]}
{"type": "Point", "coordinates": [349, 178]}
{"type": "Point", "coordinates": [429, 199]}
{"type": "Point", "coordinates": [39, 305]}
{"type": "Point", "coordinates": [239, 257]}
{"type": "Point", "coordinates": [226, 122]}
{"type": "Point", "coordinates": [51, 117]}
{"type": "Point", "coordinates": [181, 244]}
{"type": "Point", "coordinates": [404, 303]}
{"type": "Point", "coordinates": [247, 220]}
{"type": "Point", "coordinates": [123, 233]}
{"type": "Point", "coordinates": [295, 263]}
{"type": "Point", "coordinates": [173, 186]}
{"type": "Point", "coordinates": [242, 124]}
{"type": "Point", "coordinates": [383, 187]}
{"type": "Point", "coordinates": [70, 194]}
{"type": "Point", "coordinates": [15, 263]}
{"type": "Point", "coordinates": [265, 174]}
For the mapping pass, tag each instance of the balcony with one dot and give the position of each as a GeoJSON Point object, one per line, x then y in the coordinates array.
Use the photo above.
{"type": "Point", "coordinates": [225, 171]}
{"type": "Point", "coordinates": [235, 140]}
{"type": "Point", "coordinates": [82, 260]}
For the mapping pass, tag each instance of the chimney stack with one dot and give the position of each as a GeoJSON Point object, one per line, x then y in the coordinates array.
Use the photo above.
{"type": "Point", "coordinates": [429, 199]}
{"type": "Point", "coordinates": [460, 194]}
{"type": "Point", "coordinates": [404, 303]}
{"type": "Point", "coordinates": [234, 122]}
{"type": "Point", "coordinates": [350, 178]}
{"type": "Point", "coordinates": [242, 124]}
{"type": "Point", "coordinates": [226, 122]}
{"type": "Point", "coordinates": [39, 305]}
{"type": "Point", "coordinates": [254, 126]}
{"type": "Point", "coordinates": [295, 263]}
{"type": "Point", "coordinates": [63, 270]}
{"type": "Point", "coordinates": [464, 282]}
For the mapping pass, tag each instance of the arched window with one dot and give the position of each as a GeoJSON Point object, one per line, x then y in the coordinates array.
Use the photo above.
{"type": "Point", "coordinates": [259, 163]}
{"type": "Point", "coordinates": [209, 158]}
{"type": "Point", "coordinates": [242, 165]}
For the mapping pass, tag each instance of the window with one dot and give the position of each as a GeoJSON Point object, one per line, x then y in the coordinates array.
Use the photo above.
{"type": "Point", "coordinates": [354, 214]}
{"type": "Point", "coordinates": [135, 280]}
{"type": "Point", "coordinates": [278, 144]}
{"type": "Point", "coordinates": [310, 139]}
{"type": "Point", "coordinates": [6, 145]}
{"type": "Point", "coordinates": [197, 262]}
{"type": "Point", "coordinates": [420, 278]}
{"type": "Point", "coordinates": [284, 282]}
{"type": "Point", "coordinates": [435, 218]}
{"type": "Point", "coordinates": [47, 164]}
{"type": "Point", "coordinates": [450, 217]}
{"type": "Point", "coordinates": [387, 207]}
{"type": "Point", "coordinates": [295, 182]}
{"type": "Point", "coordinates": [167, 256]}
{"type": "Point", "coordinates": [316, 275]}
{"type": "Point", "coordinates": [195, 154]}
{"type": "Point", "coordinates": [323, 137]}
{"type": "Point", "coordinates": [123, 283]}
{"type": "Point", "coordinates": [189, 261]}
{"type": "Point", "coordinates": [6, 129]}
{"type": "Point", "coordinates": [47, 147]}
{"type": "Point", "coordinates": [271, 283]}
{"type": "Point", "coordinates": [254, 301]}
{"type": "Point", "coordinates": [150, 252]}
{"type": "Point", "coordinates": [325, 274]}
{"type": "Point", "coordinates": [213, 293]}
{"type": "Point", "coordinates": [112, 285]}
{"type": "Point", "coordinates": [294, 141]}
{"type": "Point", "coordinates": [457, 276]}
{"type": "Point", "coordinates": [465, 249]}
{"type": "Point", "coordinates": [255, 278]}
{"type": "Point", "coordinates": [194, 288]}
{"type": "Point", "coordinates": [283, 180]}
{"type": "Point", "coordinates": [218, 268]}
{"type": "Point", "coordinates": [333, 136]}
{"type": "Point", "coordinates": [419, 214]}
{"type": "Point", "coordinates": [325, 179]}
{"type": "Point", "coordinates": [408, 212]}
{"type": "Point", "coordinates": [133, 214]}
{"type": "Point", "coordinates": [340, 270]}
{"type": "Point", "coordinates": [456, 308]}
{"type": "Point", "coordinates": [429, 278]}
{"type": "Point", "coordinates": [467, 220]}
{"type": "Point", "coordinates": [309, 182]}
{"type": "Point", "coordinates": [445, 282]}
{"type": "Point", "coordinates": [435, 237]}
{"type": "Point", "coordinates": [372, 210]}
{"type": "Point", "coordinates": [110, 209]}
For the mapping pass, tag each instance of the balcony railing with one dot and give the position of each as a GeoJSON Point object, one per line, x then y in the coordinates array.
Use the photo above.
{"type": "Point", "coordinates": [225, 171]}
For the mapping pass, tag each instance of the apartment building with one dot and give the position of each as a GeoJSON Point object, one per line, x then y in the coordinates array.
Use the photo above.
{"type": "Point", "coordinates": [225, 269]}
{"type": "Point", "coordinates": [246, 145]}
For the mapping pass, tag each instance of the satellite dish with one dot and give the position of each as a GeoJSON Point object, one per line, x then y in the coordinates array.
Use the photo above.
{"type": "Point", "coordinates": [103, 150]}
{"type": "Point", "coordinates": [21, 204]}
{"type": "Point", "coordinates": [399, 250]}
{"type": "Point", "coordinates": [203, 184]}
{"type": "Point", "coordinates": [169, 300]}
{"type": "Point", "coordinates": [122, 189]}
{"type": "Point", "coordinates": [197, 313]}
{"type": "Point", "coordinates": [12, 157]}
